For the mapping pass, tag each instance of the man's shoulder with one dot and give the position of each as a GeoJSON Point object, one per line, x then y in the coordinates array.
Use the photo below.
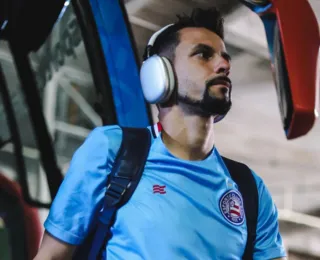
{"type": "Point", "coordinates": [108, 137]}
{"type": "Point", "coordinates": [101, 140]}
{"type": "Point", "coordinates": [108, 131]}
{"type": "Point", "coordinates": [234, 162]}
{"type": "Point", "coordinates": [258, 179]}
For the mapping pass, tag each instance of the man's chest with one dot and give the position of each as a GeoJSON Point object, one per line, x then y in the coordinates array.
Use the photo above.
{"type": "Point", "coordinates": [176, 211]}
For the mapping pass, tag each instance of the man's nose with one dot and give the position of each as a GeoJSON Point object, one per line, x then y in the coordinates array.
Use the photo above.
{"type": "Point", "coordinates": [221, 65]}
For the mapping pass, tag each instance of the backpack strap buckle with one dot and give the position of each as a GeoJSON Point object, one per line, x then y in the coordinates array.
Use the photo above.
{"type": "Point", "coordinates": [115, 191]}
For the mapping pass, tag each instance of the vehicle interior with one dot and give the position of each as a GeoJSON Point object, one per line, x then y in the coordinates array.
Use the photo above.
{"type": "Point", "coordinates": [67, 67]}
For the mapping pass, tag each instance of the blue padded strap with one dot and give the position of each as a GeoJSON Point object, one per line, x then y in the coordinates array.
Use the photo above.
{"type": "Point", "coordinates": [122, 182]}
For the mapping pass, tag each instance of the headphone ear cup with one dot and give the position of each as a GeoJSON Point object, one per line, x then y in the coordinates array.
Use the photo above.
{"type": "Point", "coordinates": [171, 79]}
{"type": "Point", "coordinates": [157, 79]}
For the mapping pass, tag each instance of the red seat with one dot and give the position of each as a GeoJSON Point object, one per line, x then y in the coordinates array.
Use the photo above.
{"type": "Point", "coordinates": [32, 231]}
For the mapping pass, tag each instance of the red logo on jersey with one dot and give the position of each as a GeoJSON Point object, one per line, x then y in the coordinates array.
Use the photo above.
{"type": "Point", "coordinates": [159, 189]}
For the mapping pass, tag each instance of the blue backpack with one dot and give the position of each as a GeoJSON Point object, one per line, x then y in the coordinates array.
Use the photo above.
{"type": "Point", "coordinates": [124, 178]}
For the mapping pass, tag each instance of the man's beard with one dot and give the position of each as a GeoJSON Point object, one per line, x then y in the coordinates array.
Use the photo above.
{"type": "Point", "coordinates": [209, 105]}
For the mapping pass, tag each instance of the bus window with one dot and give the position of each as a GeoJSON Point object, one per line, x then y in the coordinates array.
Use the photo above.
{"type": "Point", "coordinates": [67, 90]}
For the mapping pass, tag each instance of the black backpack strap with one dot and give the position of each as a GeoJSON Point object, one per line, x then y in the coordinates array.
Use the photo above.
{"type": "Point", "coordinates": [122, 182]}
{"type": "Point", "coordinates": [242, 176]}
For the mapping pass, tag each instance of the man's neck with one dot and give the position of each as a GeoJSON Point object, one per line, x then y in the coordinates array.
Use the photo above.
{"type": "Point", "coordinates": [187, 137]}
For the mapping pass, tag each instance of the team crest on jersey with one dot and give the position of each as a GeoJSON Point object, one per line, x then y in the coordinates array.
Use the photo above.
{"type": "Point", "coordinates": [231, 206]}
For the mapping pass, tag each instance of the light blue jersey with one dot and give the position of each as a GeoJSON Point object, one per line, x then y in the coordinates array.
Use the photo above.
{"type": "Point", "coordinates": [180, 210]}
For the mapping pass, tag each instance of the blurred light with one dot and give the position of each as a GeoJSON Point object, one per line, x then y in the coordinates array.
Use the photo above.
{"type": "Point", "coordinates": [299, 218]}
{"type": "Point", "coordinates": [2, 224]}
{"type": "Point", "coordinates": [66, 4]}
{"type": "Point", "coordinates": [4, 24]}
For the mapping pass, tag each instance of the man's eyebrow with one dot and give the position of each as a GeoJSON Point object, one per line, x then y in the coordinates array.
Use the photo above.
{"type": "Point", "coordinates": [226, 56]}
{"type": "Point", "coordinates": [201, 47]}
{"type": "Point", "coordinates": [205, 47]}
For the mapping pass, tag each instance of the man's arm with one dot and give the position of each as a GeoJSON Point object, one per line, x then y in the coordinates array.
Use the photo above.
{"type": "Point", "coordinates": [74, 210]}
{"type": "Point", "coordinates": [54, 249]}
{"type": "Point", "coordinates": [268, 243]}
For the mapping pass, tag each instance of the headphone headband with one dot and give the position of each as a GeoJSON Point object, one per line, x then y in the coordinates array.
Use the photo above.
{"type": "Point", "coordinates": [152, 40]}
{"type": "Point", "coordinates": [157, 33]}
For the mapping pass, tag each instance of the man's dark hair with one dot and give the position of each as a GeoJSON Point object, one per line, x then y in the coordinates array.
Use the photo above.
{"type": "Point", "coordinates": [166, 43]}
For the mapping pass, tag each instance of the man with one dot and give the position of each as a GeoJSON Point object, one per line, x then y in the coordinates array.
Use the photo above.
{"type": "Point", "coordinates": [185, 220]}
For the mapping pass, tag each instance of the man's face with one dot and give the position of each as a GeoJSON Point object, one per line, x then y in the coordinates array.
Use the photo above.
{"type": "Point", "coordinates": [202, 66]}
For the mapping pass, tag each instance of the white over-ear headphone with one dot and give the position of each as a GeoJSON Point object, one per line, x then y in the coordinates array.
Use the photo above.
{"type": "Point", "coordinates": [156, 74]}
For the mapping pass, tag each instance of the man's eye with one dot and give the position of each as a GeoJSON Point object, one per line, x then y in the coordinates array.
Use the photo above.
{"type": "Point", "coordinates": [204, 55]}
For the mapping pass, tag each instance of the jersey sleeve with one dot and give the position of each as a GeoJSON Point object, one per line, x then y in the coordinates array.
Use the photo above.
{"type": "Point", "coordinates": [80, 196]}
{"type": "Point", "coordinates": [268, 244]}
